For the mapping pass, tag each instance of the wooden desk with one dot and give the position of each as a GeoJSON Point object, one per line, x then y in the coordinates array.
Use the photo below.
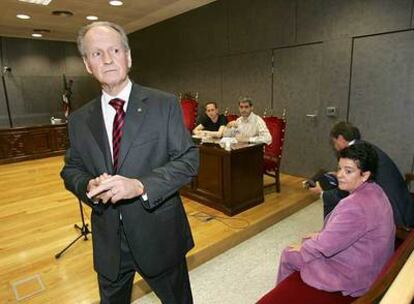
{"type": "Point", "coordinates": [25, 143]}
{"type": "Point", "coordinates": [229, 181]}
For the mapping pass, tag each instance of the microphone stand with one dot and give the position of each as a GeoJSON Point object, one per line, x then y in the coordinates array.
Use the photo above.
{"type": "Point", "coordinates": [84, 231]}
{"type": "Point", "coordinates": [4, 70]}
{"type": "Point", "coordinates": [6, 96]}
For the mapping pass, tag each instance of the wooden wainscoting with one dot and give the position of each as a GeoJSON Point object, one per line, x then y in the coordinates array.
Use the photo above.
{"type": "Point", "coordinates": [25, 143]}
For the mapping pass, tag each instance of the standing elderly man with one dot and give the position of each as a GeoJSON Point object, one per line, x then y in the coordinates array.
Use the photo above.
{"type": "Point", "coordinates": [129, 155]}
{"type": "Point", "coordinates": [249, 127]}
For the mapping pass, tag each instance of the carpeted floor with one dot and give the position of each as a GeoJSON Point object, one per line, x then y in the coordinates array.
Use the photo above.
{"type": "Point", "coordinates": [244, 273]}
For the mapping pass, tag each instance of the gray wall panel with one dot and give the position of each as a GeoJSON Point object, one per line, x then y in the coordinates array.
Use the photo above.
{"type": "Point", "coordinates": [334, 90]}
{"type": "Point", "coordinates": [72, 62]}
{"type": "Point", "coordinates": [35, 83]}
{"type": "Point", "coordinates": [256, 25]}
{"type": "Point", "coordinates": [382, 95]}
{"type": "Point", "coordinates": [185, 38]}
{"type": "Point", "coordinates": [412, 15]}
{"type": "Point", "coordinates": [41, 94]}
{"type": "Point", "coordinates": [13, 85]}
{"type": "Point", "coordinates": [84, 89]}
{"type": "Point", "coordinates": [247, 75]}
{"type": "Point", "coordinates": [330, 19]}
{"type": "Point", "coordinates": [30, 57]}
{"type": "Point", "coordinates": [202, 34]}
{"type": "Point", "coordinates": [297, 89]}
{"type": "Point", "coordinates": [203, 77]}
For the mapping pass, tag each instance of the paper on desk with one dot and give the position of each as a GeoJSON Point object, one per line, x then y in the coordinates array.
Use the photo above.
{"type": "Point", "coordinates": [230, 140]}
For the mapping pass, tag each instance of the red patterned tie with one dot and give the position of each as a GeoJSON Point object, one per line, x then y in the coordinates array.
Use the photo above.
{"type": "Point", "coordinates": [119, 120]}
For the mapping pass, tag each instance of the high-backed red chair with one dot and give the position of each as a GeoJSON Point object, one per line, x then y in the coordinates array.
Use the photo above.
{"type": "Point", "coordinates": [231, 117]}
{"type": "Point", "coordinates": [293, 290]}
{"type": "Point", "coordinates": [273, 152]}
{"type": "Point", "coordinates": [190, 108]}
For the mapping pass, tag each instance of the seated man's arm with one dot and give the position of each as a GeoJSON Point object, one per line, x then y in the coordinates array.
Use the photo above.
{"type": "Point", "coordinates": [263, 133]}
{"type": "Point", "coordinates": [231, 129]}
{"type": "Point", "coordinates": [197, 130]}
{"type": "Point", "coordinates": [218, 133]}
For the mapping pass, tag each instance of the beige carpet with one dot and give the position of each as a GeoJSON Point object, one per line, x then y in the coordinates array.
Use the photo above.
{"type": "Point", "coordinates": [244, 273]}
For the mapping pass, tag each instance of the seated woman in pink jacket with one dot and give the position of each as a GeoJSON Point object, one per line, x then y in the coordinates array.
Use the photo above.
{"type": "Point", "coordinates": [358, 235]}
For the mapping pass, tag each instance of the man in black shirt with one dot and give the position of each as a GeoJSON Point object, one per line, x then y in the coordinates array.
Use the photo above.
{"type": "Point", "coordinates": [212, 123]}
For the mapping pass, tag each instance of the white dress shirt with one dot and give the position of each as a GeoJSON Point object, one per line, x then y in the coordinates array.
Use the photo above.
{"type": "Point", "coordinates": [252, 127]}
{"type": "Point", "coordinates": [109, 112]}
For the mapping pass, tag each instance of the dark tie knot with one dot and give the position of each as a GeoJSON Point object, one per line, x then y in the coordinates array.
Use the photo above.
{"type": "Point", "coordinates": [117, 104]}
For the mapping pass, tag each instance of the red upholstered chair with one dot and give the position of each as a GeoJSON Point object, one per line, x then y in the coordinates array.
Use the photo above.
{"type": "Point", "coordinates": [231, 117]}
{"type": "Point", "coordinates": [273, 152]}
{"type": "Point", "coordinates": [293, 290]}
{"type": "Point", "coordinates": [189, 108]}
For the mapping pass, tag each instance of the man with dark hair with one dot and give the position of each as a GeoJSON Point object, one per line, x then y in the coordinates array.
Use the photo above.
{"type": "Point", "coordinates": [212, 123]}
{"type": "Point", "coordinates": [345, 131]}
{"type": "Point", "coordinates": [249, 127]}
{"type": "Point", "coordinates": [344, 134]}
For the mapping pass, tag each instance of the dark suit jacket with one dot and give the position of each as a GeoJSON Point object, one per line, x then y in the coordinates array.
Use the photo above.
{"type": "Point", "coordinates": [157, 150]}
{"type": "Point", "coordinates": [392, 182]}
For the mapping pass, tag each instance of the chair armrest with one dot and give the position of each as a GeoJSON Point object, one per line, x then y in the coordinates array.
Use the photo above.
{"type": "Point", "coordinates": [390, 271]}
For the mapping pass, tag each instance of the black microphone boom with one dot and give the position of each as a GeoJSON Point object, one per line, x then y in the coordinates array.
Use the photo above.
{"type": "Point", "coordinates": [6, 96]}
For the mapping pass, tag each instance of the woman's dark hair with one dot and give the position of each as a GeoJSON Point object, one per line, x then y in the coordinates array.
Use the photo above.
{"type": "Point", "coordinates": [364, 155]}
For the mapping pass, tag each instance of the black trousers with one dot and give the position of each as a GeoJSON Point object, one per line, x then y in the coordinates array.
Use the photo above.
{"type": "Point", "coordinates": [331, 198]}
{"type": "Point", "coordinates": [171, 287]}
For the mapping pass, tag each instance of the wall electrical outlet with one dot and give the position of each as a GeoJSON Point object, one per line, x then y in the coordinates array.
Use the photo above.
{"type": "Point", "coordinates": [331, 111]}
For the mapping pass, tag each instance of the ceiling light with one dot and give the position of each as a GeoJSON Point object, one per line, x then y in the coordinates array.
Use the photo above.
{"type": "Point", "coordinates": [62, 13]}
{"type": "Point", "coordinates": [37, 35]}
{"type": "Point", "coordinates": [116, 3]}
{"type": "Point", "coordinates": [42, 2]}
{"type": "Point", "coordinates": [41, 31]}
{"type": "Point", "coordinates": [92, 18]}
{"type": "Point", "coordinates": [23, 16]}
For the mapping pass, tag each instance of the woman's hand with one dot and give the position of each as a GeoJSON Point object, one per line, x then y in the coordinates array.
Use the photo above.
{"type": "Point", "coordinates": [312, 236]}
{"type": "Point", "coordinates": [294, 247]}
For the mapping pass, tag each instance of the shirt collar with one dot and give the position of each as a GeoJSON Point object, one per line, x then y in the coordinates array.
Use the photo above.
{"type": "Point", "coordinates": [124, 95]}
{"type": "Point", "coordinates": [248, 118]}
{"type": "Point", "coordinates": [351, 142]}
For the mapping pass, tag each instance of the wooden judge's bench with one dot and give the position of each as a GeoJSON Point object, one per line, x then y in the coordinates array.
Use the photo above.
{"type": "Point", "coordinates": [24, 143]}
{"type": "Point", "coordinates": [229, 181]}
